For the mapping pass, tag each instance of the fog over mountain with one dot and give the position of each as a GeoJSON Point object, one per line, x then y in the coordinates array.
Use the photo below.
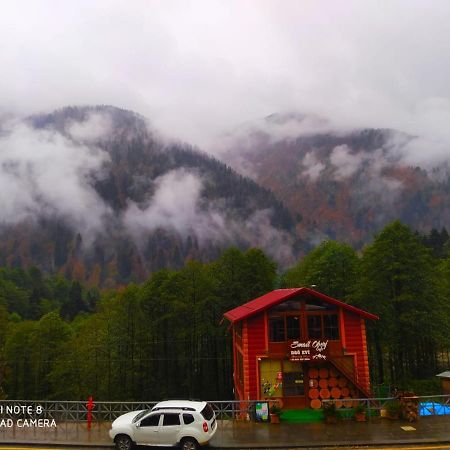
{"type": "Point", "coordinates": [97, 194]}
{"type": "Point", "coordinates": [333, 115]}
{"type": "Point", "coordinates": [344, 184]}
{"type": "Point", "coordinates": [94, 190]}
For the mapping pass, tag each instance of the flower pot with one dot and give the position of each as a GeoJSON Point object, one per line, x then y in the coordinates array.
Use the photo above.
{"type": "Point", "coordinates": [274, 418]}
{"type": "Point", "coordinates": [360, 417]}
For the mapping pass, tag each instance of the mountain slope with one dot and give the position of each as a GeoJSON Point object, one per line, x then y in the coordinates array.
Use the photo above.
{"type": "Point", "coordinates": [344, 185]}
{"type": "Point", "coordinates": [94, 193]}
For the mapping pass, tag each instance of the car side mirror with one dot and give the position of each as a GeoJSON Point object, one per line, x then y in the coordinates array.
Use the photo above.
{"type": "Point", "coordinates": [137, 425]}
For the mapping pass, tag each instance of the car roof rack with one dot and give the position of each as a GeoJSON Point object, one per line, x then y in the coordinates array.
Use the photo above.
{"type": "Point", "coordinates": [183, 408]}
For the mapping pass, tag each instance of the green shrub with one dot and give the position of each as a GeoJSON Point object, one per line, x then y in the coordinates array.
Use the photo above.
{"type": "Point", "coordinates": [393, 407]}
{"type": "Point", "coordinates": [274, 409]}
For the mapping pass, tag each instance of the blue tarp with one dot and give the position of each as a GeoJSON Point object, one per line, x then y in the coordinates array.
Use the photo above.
{"type": "Point", "coordinates": [433, 409]}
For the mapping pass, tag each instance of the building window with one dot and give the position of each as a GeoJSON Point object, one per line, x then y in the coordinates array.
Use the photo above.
{"type": "Point", "coordinates": [315, 304]}
{"type": "Point", "coordinates": [323, 326]}
{"type": "Point", "coordinates": [330, 327]}
{"type": "Point", "coordinates": [315, 327]}
{"type": "Point", "coordinates": [276, 329]}
{"type": "Point", "coordinates": [288, 306]}
{"type": "Point", "coordinates": [293, 327]}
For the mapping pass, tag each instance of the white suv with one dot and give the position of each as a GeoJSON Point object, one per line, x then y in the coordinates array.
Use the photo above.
{"type": "Point", "coordinates": [174, 422]}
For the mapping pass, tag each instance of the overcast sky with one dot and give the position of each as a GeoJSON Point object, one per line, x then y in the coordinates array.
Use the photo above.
{"type": "Point", "coordinates": [200, 68]}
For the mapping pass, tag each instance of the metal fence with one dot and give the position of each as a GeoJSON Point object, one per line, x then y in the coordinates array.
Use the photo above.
{"type": "Point", "coordinates": [433, 405]}
{"type": "Point", "coordinates": [74, 411]}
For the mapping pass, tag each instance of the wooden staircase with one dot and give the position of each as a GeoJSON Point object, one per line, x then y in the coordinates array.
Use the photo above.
{"type": "Point", "coordinates": [344, 369]}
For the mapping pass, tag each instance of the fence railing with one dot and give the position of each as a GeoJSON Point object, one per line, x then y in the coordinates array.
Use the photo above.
{"type": "Point", "coordinates": [433, 405]}
{"type": "Point", "coordinates": [75, 411]}
{"type": "Point", "coordinates": [372, 406]}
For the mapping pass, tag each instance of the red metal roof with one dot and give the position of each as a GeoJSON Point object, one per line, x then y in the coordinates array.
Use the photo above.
{"type": "Point", "coordinates": [279, 295]}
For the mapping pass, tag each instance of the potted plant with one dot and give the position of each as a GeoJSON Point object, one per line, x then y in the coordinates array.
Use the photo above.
{"type": "Point", "coordinates": [360, 413]}
{"type": "Point", "coordinates": [330, 413]}
{"type": "Point", "coordinates": [275, 412]}
{"type": "Point", "coordinates": [393, 408]}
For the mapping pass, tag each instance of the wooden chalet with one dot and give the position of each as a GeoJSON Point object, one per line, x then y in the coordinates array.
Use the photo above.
{"type": "Point", "coordinates": [299, 346]}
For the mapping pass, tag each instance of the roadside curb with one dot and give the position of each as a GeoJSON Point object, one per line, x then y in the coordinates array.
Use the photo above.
{"type": "Point", "coordinates": [47, 444]}
{"type": "Point", "coordinates": [359, 444]}
{"type": "Point", "coordinates": [243, 446]}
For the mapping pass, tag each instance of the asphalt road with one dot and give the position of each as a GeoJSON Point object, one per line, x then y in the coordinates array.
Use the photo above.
{"type": "Point", "coordinates": [403, 447]}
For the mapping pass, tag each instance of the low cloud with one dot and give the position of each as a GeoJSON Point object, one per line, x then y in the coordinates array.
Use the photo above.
{"type": "Point", "coordinates": [46, 173]}
{"type": "Point", "coordinates": [177, 204]}
{"type": "Point", "coordinates": [93, 128]}
{"type": "Point", "coordinates": [373, 165]}
{"type": "Point", "coordinates": [313, 166]}
{"type": "Point", "coordinates": [423, 152]}
{"type": "Point", "coordinates": [43, 173]}
{"type": "Point", "coordinates": [346, 162]}
{"type": "Point", "coordinates": [278, 244]}
{"type": "Point", "coordinates": [291, 125]}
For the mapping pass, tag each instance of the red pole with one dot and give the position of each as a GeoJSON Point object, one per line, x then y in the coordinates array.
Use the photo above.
{"type": "Point", "coordinates": [90, 406]}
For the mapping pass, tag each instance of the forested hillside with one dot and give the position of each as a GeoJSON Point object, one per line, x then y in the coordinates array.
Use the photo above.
{"type": "Point", "coordinates": [165, 338]}
{"type": "Point", "coordinates": [345, 184]}
{"type": "Point", "coordinates": [160, 339]}
{"type": "Point", "coordinates": [96, 195]}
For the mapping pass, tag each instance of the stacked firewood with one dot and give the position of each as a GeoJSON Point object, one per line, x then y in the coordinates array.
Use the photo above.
{"type": "Point", "coordinates": [410, 405]}
{"type": "Point", "coordinates": [325, 382]}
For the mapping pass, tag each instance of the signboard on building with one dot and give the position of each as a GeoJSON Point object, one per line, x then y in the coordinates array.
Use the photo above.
{"type": "Point", "coordinates": [308, 350]}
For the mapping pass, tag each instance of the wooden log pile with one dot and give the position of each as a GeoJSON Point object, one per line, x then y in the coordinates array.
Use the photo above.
{"type": "Point", "coordinates": [325, 382]}
{"type": "Point", "coordinates": [409, 406]}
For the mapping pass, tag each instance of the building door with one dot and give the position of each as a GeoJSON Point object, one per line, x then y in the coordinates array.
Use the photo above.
{"type": "Point", "coordinates": [293, 384]}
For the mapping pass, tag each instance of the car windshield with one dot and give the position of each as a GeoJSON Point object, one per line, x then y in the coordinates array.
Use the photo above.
{"type": "Point", "coordinates": [141, 414]}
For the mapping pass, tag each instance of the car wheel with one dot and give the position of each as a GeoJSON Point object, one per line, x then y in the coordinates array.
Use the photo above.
{"type": "Point", "coordinates": [189, 444]}
{"type": "Point", "coordinates": [123, 442]}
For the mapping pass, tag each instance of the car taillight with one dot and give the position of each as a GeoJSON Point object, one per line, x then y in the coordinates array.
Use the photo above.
{"type": "Point", "coordinates": [205, 427]}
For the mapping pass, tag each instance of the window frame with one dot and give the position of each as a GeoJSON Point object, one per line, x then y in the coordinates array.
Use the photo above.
{"type": "Point", "coordinates": [337, 327]}
{"type": "Point", "coordinates": [299, 326]}
{"type": "Point", "coordinates": [270, 319]}
{"type": "Point", "coordinates": [322, 325]}
{"type": "Point", "coordinates": [303, 316]}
